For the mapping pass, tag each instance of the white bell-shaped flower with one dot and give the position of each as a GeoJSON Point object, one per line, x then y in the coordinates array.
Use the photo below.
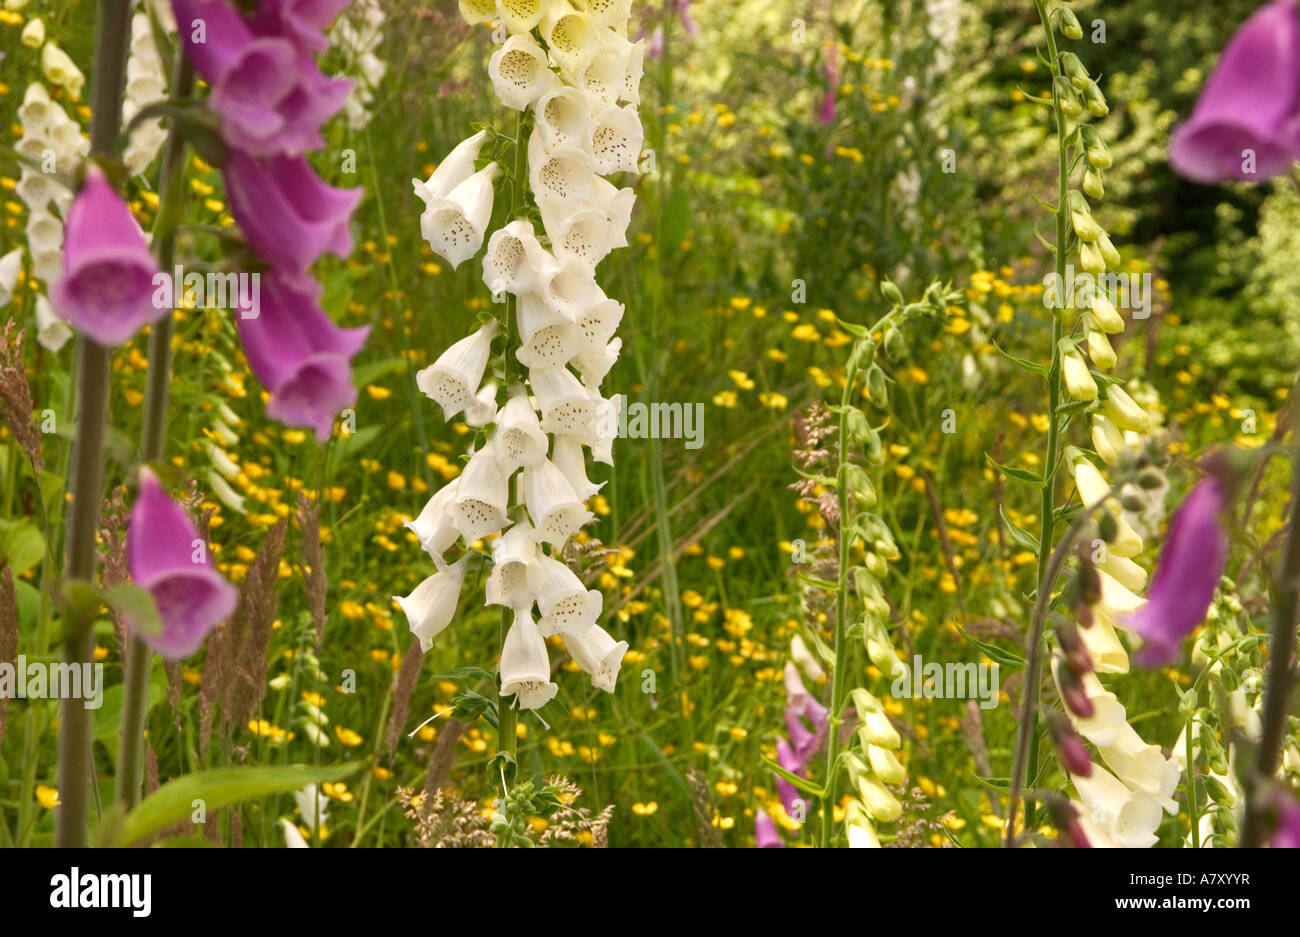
{"type": "Point", "coordinates": [599, 656]}
{"type": "Point", "coordinates": [525, 666]}
{"type": "Point", "coordinates": [1117, 600]}
{"type": "Point", "coordinates": [520, 72]}
{"type": "Point", "coordinates": [566, 405]}
{"type": "Point", "coordinates": [515, 259]}
{"type": "Point", "coordinates": [567, 606]}
{"type": "Point", "coordinates": [433, 527]}
{"type": "Point", "coordinates": [570, 35]}
{"type": "Point", "coordinates": [571, 289]}
{"type": "Point", "coordinates": [567, 455]}
{"type": "Point", "coordinates": [548, 336]}
{"type": "Point", "coordinates": [430, 608]}
{"type": "Point", "coordinates": [594, 363]}
{"type": "Point", "coordinates": [1128, 819]}
{"type": "Point", "coordinates": [616, 204]}
{"type": "Point", "coordinates": [44, 232]}
{"type": "Point", "coordinates": [484, 408]}
{"type": "Point", "coordinates": [616, 140]}
{"type": "Point", "coordinates": [599, 322]}
{"type": "Point", "coordinates": [633, 69]}
{"type": "Point", "coordinates": [453, 380]}
{"type": "Point", "coordinates": [563, 118]}
{"type": "Point", "coordinates": [36, 113]}
{"type": "Point", "coordinates": [477, 11]}
{"type": "Point", "coordinates": [605, 429]}
{"type": "Point", "coordinates": [512, 556]}
{"type": "Point", "coordinates": [518, 439]}
{"type": "Point", "coordinates": [35, 189]}
{"type": "Point", "coordinates": [1142, 767]}
{"type": "Point", "coordinates": [452, 171]}
{"type": "Point", "coordinates": [1092, 489]}
{"type": "Point", "coordinates": [1103, 644]}
{"type": "Point", "coordinates": [520, 16]}
{"type": "Point", "coordinates": [560, 178]}
{"type": "Point", "coordinates": [1124, 571]}
{"type": "Point", "coordinates": [51, 331]}
{"type": "Point", "coordinates": [603, 76]}
{"type": "Point", "coordinates": [11, 265]}
{"type": "Point", "coordinates": [554, 508]}
{"type": "Point", "coordinates": [610, 13]}
{"type": "Point", "coordinates": [454, 226]}
{"type": "Point", "coordinates": [482, 497]}
{"type": "Point", "coordinates": [580, 239]}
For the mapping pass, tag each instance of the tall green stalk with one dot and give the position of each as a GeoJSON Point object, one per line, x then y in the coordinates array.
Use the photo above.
{"type": "Point", "coordinates": [139, 657]}
{"type": "Point", "coordinates": [87, 481]}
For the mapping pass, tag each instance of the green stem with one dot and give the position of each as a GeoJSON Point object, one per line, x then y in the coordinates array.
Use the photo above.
{"type": "Point", "coordinates": [87, 482]}
{"type": "Point", "coordinates": [1193, 808]}
{"type": "Point", "coordinates": [139, 656]}
{"type": "Point", "coordinates": [1046, 512]}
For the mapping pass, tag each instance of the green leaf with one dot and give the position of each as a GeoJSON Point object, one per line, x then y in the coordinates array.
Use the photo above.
{"type": "Point", "coordinates": [465, 674]}
{"type": "Point", "coordinates": [174, 801]}
{"type": "Point", "coordinates": [803, 784]}
{"type": "Point", "coordinates": [1018, 474]}
{"type": "Point", "coordinates": [21, 544]}
{"type": "Point", "coordinates": [374, 370]}
{"type": "Point", "coordinates": [1018, 534]}
{"type": "Point", "coordinates": [1022, 363]}
{"type": "Point", "coordinates": [997, 785]}
{"type": "Point", "coordinates": [133, 603]}
{"type": "Point", "coordinates": [1002, 658]}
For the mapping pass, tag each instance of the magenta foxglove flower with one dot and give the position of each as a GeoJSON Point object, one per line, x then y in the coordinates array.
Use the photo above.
{"type": "Point", "coordinates": [684, 11]}
{"type": "Point", "coordinates": [805, 741]}
{"type": "Point", "coordinates": [299, 354]}
{"type": "Point", "coordinates": [167, 557]}
{"type": "Point", "coordinates": [826, 113]}
{"type": "Point", "coordinates": [303, 22]}
{"type": "Point", "coordinates": [106, 291]}
{"type": "Point", "coordinates": [765, 834]}
{"type": "Point", "coordinates": [1287, 833]}
{"type": "Point", "coordinates": [1187, 573]}
{"type": "Point", "coordinates": [799, 701]}
{"type": "Point", "coordinates": [1248, 107]}
{"type": "Point", "coordinates": [289, 216]}
{"type": "Point", "coordinates": [268, 92]}
{"type": "Point", "coordinates": [787, 759]}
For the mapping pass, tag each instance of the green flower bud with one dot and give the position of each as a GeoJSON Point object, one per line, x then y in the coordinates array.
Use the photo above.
{"type": "Point", "coordinates": [859, 430]}
{"type": "Point", "coordinates": [1092, 183]}
{"type": "Point", "coordinates": [1078, 379]}
{"type": "Point", "coordinates": [1065, 97]}
{"type": "Point", "coordinates": [1107, 526]}
{"type": "Point", "coordinates": [1094, 100]}
{"type": "Point", "coordinates": [859, 485]}
{"type": "Point", "coordinates": [1187, 705]}
{"type": "Point", "coordinates": [1100, 351]}
{"type": "Point", "coordinates": [1096, 152]}
{"type": "Point", "coordinates": [1090, 259]}
{"type": "Point", "coordinates": [894, 345]}
{"type": "Point", "coordinates": [1068, 23]}
{"type": "Point", "coordinates": [1073, 69]}
{"type": "Point", "coordinates": [877, 391]}
{"type": "Point", "coordinates": [1081, 216]}
{"type": "Point", "coordinates": [891, 293]}
{"type": "Point", "coordinates": [1108, 252]}
{"type": "Point", "coordinates": [873, 449]}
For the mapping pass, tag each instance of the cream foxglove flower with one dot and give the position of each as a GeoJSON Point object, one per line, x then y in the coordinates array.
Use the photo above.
{"type": "Point", "coordinates": [515, 259]}
{"type": "Point", "coordinates": [881, 805]}
{"type": "Point", "coordinates": [594, 363]}
{"type": "Point", "coordinates": [431, 606]}
{"type": "Point", "coordinates": [1124, 411]}
{"type": "Point", "coordinates": [313, 806]}
{"type": "Point", "coordinates": [1107, 438]}
{"type": "Point", "coordinates": [477, 11]}
{"type": "Point", "coordinates": [567, 606]}
{"type": "Point", "coordinates": [51, 331]}
{"type": "Point", "coordinates": [1092, 489]}
{"type": "Point", "coordinates": [433, 527]}
{"type": "Point", "coordinates": [807, 662]}
{"type": "Point", "coordinates": [600, 321]}
{"type": "Point", "coordinates": [571, 289]}
{"type": "Point", "coordinates": [580, 239]}
{"type": "Point", "coordinates": [513, 554]}
{"type": "Point", "coordinates": [525, 667]}
{"type": "Point", "coordinates": [454, 226]}
{"type": "Point", "coordinates": [549, 336]}
{"type": "Point", "coordinates": [599, 656]}
{"type": "Point", "coordinates": [1079, 383]}
{"type": "Point", "coordinates": [862, 835]}
{"type": "Point", "coordinates": [145, 85]}
{"type": "Point", "coordinates": [563, 118]}
{"type": "Point", "coordinates": [520, 16]}
{"type": "Point", "coordinates": [520, 73]}
{"type": "Point", "coordinates": [616, 204]}
{"type": "Point", "coordinates": [292, 835]}
{"type": "Point", "coordinates": [61, 70]}
{"type": "Point", "coordinates": [566, 453]}
{"type": "Point", "coordinates": [567, 407]}
{"type": "Point", "coordinates": [482, 497]}
{"type": "Point", "coordinates": [1113, 815]}
{"type": "Point", "coordinates": [561, 178]}
{"type": "Point", "coordinates": [453, 380]}
{"type": "Point", "coordinates": [617, 139]}
{"type": "Point", "coordinates": [452, 171]}
{"type": "Point", "coordinates": [604, 76]}
{"type": "Point", "coordinates": [1100, 350]}
{"type": "Point", "coordinates": [611, 13]}
{"type": "Point", "coordinates": [518, 439]}
{"type": "Point", "coordinates": [11, 264]}
{"type": "Point", "coordinates": [1124, 571]}
{"type": "Point", "coordinates": [483, 409]}
{"type": "Point", "coordinates": [571, 35]}
{"type": "Point", "coordinates": [554, 508]}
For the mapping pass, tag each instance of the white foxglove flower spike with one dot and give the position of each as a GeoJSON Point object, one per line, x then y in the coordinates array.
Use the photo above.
{"type": "Point", "coordinates": [570, 35]}
{"type": "Point", "coordinates": [581, 239]}
{"type": "Point", "coordinates": [454, 226]}
{"type": "Point", "coordinates": [430, 608]}
{"type": "Point", "coordinates": [563, 118]}
{"type": "Point", "coordinates": [566, 406]}
{"type": "Point", "coordinates": [571, 289]}
{"type": "Point", "coordinates": [520, 73]}
{"type": "Point", "coordinates": [549, 337]}
{"type": "Point", "coordinates": [560, 179]}
{"type": "Point", "coordinates": [554, 508]}
{"type": "Point", "coordinates": [482, 497]}
{"type": "Point", "coordinates": [525, 666]}
{"type": "Point", "coordinates": [453, 380]}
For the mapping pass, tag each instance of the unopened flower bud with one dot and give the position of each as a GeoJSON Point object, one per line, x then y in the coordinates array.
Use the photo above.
{"type": "Point", "coordinates": [1092, 183]}
{"type": "Point", "coordinates": [1078, 379]}
{"type": "Point", "coordinates": [1094, 100]}
{"type": "Point", "coordinates": [1069, 747]}
{"type": "Point", "coordinates": [1096, 152]}
{"type": "Point", "coordinates": [1066, 820]}
{"type": "Point", "coordinates": [1066, 98]}
{"type": "Point", "coordinates": [1068, 23]}
{"type": "Point", "coordinates": [1090, 259]}
{"type": "Point", "coordinates": [1081, 216]}
{"type": "Point", "coordinates": [1072, 68]}
{"type": "Point", "coordinates": [1073, 694]}
{"type": "Point", "coordinates": [1072, 646]}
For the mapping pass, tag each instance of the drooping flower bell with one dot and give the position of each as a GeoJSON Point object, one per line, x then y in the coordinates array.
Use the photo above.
{"type": "Point", "coordinates": [1246, 124]}
{"type": "Point", "coordinates": [107, 290]}
{"type": "Point", "coordinates": [525, 667]}
{"type": "Point", "coordinates": [431, 606]}
{"type": "Point", "coordinates": [1186, 575]}
{"type": "Point", "coordinates": [167, 557]}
